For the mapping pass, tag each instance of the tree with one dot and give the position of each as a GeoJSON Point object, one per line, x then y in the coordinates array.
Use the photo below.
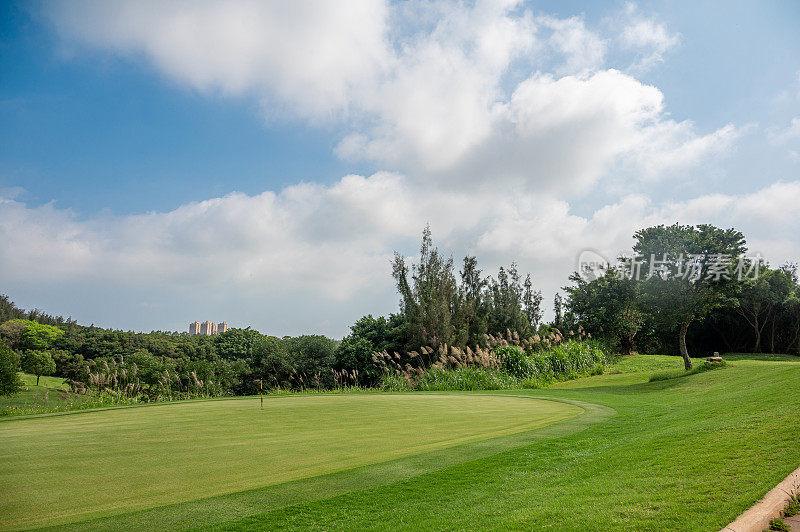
{"type": "Point", "coordinates": [26, 334]}
{"type": "Point", "coordinates": [689, 272]}
{"type": "Point", "coordinates": [759, 300]}
{"type": "Point", "coordinates": [473, 304]}
{"type": "Point", "coordinates": [270, 361]}
{"type": "Point", "coordinates": [10, 382]}
{"type": "Point", "coordinates": [367, 336]}
{"type": "Point", "coordinates": [38, 363]}
{"type": "Point", "coordinates": [313, 358]}
{"type": "Point", "coordinates": [38, 336]}
{"type": "Point", "coordinates": [236, 343]}
{"type": "Point", "coordinates": [532, 303]}
{"type": "Point", "coordinates": [558, 310]}
{"type": "Point", "coordinates": [506, 301]}
{"type": "Point", "coordinates": [607, 307]}
{"type": "Point", "coordinates": [430, 299]}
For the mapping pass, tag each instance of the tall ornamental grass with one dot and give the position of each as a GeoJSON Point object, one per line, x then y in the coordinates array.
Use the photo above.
{"type": "Point", "coordinates": [506, 366]}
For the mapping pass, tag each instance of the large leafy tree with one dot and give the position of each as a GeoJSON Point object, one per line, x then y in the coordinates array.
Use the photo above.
{"type": "Point", "coordinates": [38, 363]}
{"type": "Point", "coordinates": [761, 298]}
{"type": "Point", "coordinates": [236, 343]}
{"type": "Point", "coordinates": [367, 336]}
{"type": "Point", "coordinates": [607, 307]}
{"type": "Point", "coordinates": [688, 271]}
{"type": "Point", "coordinates": [270, 362]}
{"type": "Point", "coordinates": [9, 365]}
{"type": "Point", "coordinates": [26, 334]}
{"type": "Point", "coordinates": [313, 358]}
{"type": "Point", "coordinates": [40, 336]}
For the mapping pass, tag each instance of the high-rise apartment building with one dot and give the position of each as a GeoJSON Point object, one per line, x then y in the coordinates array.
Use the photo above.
{"type": "Point", "coordinates": [207, 328]}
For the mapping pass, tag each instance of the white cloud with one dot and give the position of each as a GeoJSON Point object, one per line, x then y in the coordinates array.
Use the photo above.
{"type": "Point", "coordinates": [787, 138]}
{"type": "Point", "coordinates": [329, 247]}
{"type": "Point", "coordinates": [646, 37]}
{"type": "Point", "coordinates": [448, 92]}
{"type": "Point", "coordinates": [581, 48]}
{"type": "Point", "coordinates": [452, 96]}
{"type": "Point", "coordinates": [312, 55]}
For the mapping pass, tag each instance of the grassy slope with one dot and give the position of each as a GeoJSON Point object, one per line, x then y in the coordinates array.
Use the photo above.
{"type": "Point", "coordinates": [685, 454]}
{"type": "Point", "coordinates": [49, 396]}
{"type": "Point", "coordinates": [121, 460]}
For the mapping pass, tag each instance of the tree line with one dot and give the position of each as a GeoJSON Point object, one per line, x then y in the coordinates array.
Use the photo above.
{"type": "Point", "coordinates": [669, 312]}
{"type": "Point", "coordinates": [438, 307]}
{"type": "Point", "coordinates": [443, 309]}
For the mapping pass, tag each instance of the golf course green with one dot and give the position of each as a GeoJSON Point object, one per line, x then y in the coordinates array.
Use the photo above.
{"type": "Point", "coordinates": [119, 460]}
{"type": "Point", "coordinates": [642, 447]}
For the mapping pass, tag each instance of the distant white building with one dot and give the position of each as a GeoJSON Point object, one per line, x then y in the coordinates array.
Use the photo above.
{"type": "Point", "coordinates": [207, 328]}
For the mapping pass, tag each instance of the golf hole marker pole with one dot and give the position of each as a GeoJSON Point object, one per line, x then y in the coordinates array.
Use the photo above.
{"type": "Point", "coordinates": [261, 391]}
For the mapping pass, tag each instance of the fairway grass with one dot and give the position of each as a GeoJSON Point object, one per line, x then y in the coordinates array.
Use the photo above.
{"type": "Point", "coordinates": [610, 452]}
{"type": "Point", "coordinates": [121, 460]}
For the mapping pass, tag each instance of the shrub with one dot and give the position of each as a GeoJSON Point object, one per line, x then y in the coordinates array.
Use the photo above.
{"type": "Point", "coordinates": [793, 508]}
{"type": "Point", "coordinates": [507, 367]}
{"type": "Point", "coordinates": [779, 524]}
{"type": "Point", "coordinates": [392, 382]}
{"type": "Point", "coordinates": [563, 361]}
{"type": "Point", "coordinates": [10, 382]}
{"type": "Point", "coordinates": [465, 379]}
{"type": "Point", "coordinates": [515, 362]}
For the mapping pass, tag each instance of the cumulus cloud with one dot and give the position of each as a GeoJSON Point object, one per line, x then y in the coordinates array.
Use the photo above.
{"type": "Point", "coordinates": [446, 92]}
{"type": "Point", "coordinates": [330, 246]}
{"type": "Point", "coordinates": [312, 55]}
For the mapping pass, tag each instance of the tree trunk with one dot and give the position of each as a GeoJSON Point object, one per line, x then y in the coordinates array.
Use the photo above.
{"type": "Point", "coordinates": [37, 380]}
{"type": "Point", "coordinates": [687, 361]}
{"type": "Point", "coordinates": [757, 347]}
{"type": "Point", "coordinates": [772, 336]}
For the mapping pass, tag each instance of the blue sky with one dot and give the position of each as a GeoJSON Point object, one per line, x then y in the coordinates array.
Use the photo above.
{"type": "Point", "coordinates": [94, 132]}
{"type": "Point", "coordinates": [229, 145]}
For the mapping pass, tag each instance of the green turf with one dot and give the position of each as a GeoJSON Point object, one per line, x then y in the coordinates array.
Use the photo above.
{"type": "Point", "coordinates": [689, 453]}
{"type": "Point", "coordinates": [762, 356]}
{"type": "Point", "coordinates": [51, 395]}
{"type": "Point", "coordinates": [120, 460]}
{"type": "Point", "coordinates": [44, 381]}
{"type": "Point", "coordinates": [686, 454]}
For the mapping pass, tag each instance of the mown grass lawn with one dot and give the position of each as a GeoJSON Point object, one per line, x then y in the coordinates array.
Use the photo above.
{"type": "Point", "coordinates": [689, 453]}
{"type": "Point", "coordinates": [120, 460]}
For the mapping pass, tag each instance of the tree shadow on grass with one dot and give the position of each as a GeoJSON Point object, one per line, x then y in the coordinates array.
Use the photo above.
{"type": "Point", "coordinates": [763, 357]}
